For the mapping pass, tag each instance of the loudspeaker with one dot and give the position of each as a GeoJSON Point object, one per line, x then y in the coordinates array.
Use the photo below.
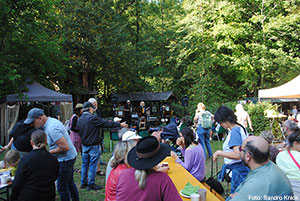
{"type": "Point", "coordinates": [185, 101]}
{"type": "Point", "coordinates": [114, 101]}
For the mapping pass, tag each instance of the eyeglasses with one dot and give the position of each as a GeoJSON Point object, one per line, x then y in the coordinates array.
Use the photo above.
{"type": "Point", "coordinates": [242, 150]}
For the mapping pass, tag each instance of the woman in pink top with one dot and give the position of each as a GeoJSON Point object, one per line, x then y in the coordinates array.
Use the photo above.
{"type": "Point", "coordinates": [147, 180]}
{"type": "Point", "coordinates": [119, 163]}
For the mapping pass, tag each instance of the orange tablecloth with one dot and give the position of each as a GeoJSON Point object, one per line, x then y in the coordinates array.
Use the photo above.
{"type": "Point", "coordinates": [181, 176]}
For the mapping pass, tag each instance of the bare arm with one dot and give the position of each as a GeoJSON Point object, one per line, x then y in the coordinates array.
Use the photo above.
{"type": "Point", "coordinates": [8, 146]}
{"type": "Point", "coordinates": [62, 146]}
{"type": "Point", "coordinates": [249, 122]}
{"type": "Point", "coordinates": [232, 155]}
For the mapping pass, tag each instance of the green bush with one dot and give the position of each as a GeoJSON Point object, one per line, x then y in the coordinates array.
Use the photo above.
{"type": "Point", "coordinates": [260, 122]}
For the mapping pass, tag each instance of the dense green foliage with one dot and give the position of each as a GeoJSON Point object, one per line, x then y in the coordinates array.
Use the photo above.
{"type": "Point", "coordinates": [258, 113]}
{"type": "Point", "coordinates": [214, 51]}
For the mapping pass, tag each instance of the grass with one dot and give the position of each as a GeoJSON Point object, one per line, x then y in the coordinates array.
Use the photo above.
{"type": "Point", "coordinates": [100, 180]}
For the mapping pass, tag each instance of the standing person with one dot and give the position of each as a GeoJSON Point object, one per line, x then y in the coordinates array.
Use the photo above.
{"type": "Point", "coordinates": [265, 180]}
{"type": "Point", "coordinates": [61, 147]}
{"type": "Point", "coordinates": [127, 112]}
{"type": "Point", "coordinates": [37, 172]}
{"type": "Point", "coordinates": [289, 162]}
{"type": "Point", "coordinates": [295, 112]}
{"type": "Point", "coordinates": [74, 135]}
{"type": "Point", "coordinates": [101, 130]}
{"type": "Point", "coordinates": [194, 159]}
{"type": "Point", "coordinates": [88, 126]}
{"type": "Point", "coordinates": [20, 138]}
{"type": "Point", "coordinates": [231, 153]}
{"type": "Point", "coordinates": [147, 179]}
{"type": "Point", "coordinates": [243, 117]}
{"type": "Point", "coordinates": [204, 123]}
{"type": "Point", "coordinates": [142, 109]}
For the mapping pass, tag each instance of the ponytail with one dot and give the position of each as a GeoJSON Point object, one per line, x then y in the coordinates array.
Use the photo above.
{"type": "Point", "coordinates": [39, 139]}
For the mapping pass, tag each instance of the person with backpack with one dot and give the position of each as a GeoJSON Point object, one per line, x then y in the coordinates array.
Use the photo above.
{"type": "Point", "coordinates": [204, 120]}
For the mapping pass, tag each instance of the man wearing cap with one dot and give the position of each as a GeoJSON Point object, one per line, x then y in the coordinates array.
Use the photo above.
{"type": "Point", "coordinates": [101, 130]}
{"type": "Point", "coordinates": [61, 147]}
{"type": "Point", "coordinates": [88, 126]}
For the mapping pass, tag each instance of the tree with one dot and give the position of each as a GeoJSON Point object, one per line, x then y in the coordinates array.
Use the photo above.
{"type": "Point", "coordinates": [29, 47]}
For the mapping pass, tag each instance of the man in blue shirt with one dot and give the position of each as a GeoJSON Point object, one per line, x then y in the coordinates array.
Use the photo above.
{"type": "Point", "coordinates": [61, 147]}
{"type": "Point", "coordinates": [265, 180]}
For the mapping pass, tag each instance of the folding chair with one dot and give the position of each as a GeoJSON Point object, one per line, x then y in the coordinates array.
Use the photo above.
{"type": "Point", "coordinates": [144, 133]}
{"type": "Point", "coordinates": [114, 136]}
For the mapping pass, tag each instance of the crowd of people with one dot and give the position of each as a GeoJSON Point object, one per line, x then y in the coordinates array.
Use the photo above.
{"type": "Point", "coordinates": [257, 168]}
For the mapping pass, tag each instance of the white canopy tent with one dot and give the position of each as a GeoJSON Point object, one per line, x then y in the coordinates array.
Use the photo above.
{"type": "Point", "coordinates": [287, 92]}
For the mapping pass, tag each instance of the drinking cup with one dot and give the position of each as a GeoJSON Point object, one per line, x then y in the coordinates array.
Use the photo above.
{"type": "Point", "coordinates": [195, 197]}
{"type": "Point", "coordinates": [202, 193]}
{"type": "Point", "coordinates": [4, 178]}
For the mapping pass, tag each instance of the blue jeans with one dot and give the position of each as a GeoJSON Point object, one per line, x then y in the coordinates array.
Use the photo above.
{"type": "Point", "coordinates": [239, 174]}
{"type": "Point", "coordinates": [203, 135]}
{"type": "Point", "coordinates": [90, 157]}
{"type": "Point", "coordinates": [66, 186]}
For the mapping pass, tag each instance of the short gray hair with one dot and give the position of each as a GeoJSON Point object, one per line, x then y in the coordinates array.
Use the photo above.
{"type": "Point", "coordinates": [267, 135]}
{"type": "Point", "coordinates": [291, 125]}
{"type": "Point", "coordinates": [92, 100]}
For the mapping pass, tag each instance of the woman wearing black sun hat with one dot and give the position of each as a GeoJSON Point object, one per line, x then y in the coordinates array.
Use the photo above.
{"type": "Point", "coordinates": [147, 179]}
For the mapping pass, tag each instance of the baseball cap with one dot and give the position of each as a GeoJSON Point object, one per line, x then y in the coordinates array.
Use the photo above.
{"type": "Point", "coordinates": [33, 114]}
{"type": "Point", "coordinates": [116, 119]}
{"type": "Point", "coordinates": [88, 104]}
{"type": "Point", "coordinates": [130, 135]}
{"type": "Point", "coordinates": [78, 105]}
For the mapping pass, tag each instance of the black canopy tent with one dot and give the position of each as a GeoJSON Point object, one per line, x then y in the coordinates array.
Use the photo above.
{"type": "Point", "coordinates": [10, 110]}
{"type": "Point", "coordinates": [38, 93]}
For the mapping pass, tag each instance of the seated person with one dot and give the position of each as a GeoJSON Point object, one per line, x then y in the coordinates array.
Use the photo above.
{"type": "Point", "coordinates": [291, 166]}
{"type": "Point", "coordinates": [143, 125]}
{"type": "Point", "coordinates": [268, 136]}
{"type": "Point", "coordinates": [265, 180]}
{"type": "Point", "coordinates": [183, 123]}
{"type": "Point", "coordinates": [124, 135]}
{"type": "Point", "coordinates": [118, 164]}
{"type": "Point", "coordinates": [147, 179]}
{"type": "Point", "coordinates": [37, 172]}
{"type": "Point", "coordinates": [194, 159]}
{"type": "Point", "coordinates": [11, 160]}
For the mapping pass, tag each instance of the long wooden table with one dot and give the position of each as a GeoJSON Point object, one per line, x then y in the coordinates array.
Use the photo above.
{"type": "Point", "coordinates": [181, 176]}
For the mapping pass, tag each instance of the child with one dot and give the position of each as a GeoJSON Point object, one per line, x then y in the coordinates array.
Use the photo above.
{"type": "Point", "coordinates": [12, 159]}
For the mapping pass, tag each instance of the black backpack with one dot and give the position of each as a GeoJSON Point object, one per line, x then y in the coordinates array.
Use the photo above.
{"type": "Point", "coordinates": [214, 183]}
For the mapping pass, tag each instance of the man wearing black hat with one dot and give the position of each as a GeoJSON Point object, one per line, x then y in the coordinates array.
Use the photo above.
{"type": "Point", "coordinates": [88, 126]}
